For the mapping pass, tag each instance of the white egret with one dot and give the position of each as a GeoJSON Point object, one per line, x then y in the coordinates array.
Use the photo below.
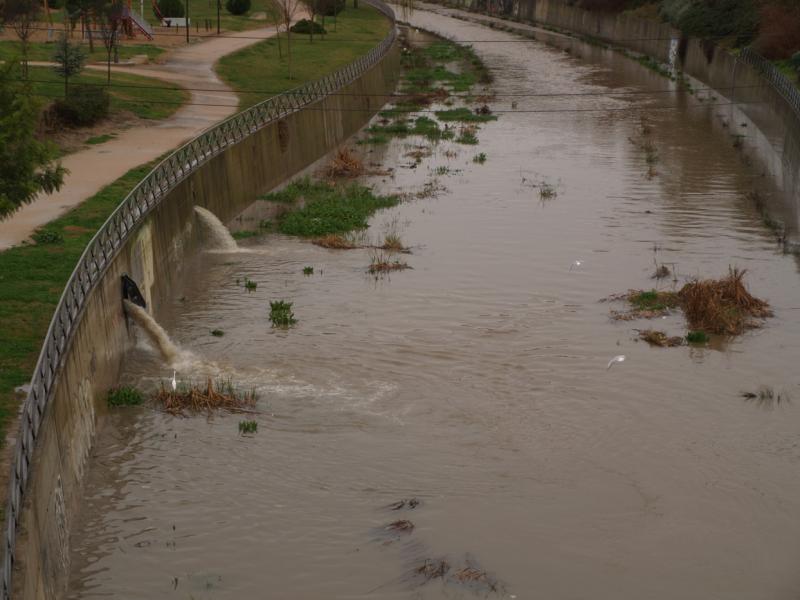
{"type": "Point", "coordinates": [575, 264]}
{"type": "Point", "coordinates": [617, 359]}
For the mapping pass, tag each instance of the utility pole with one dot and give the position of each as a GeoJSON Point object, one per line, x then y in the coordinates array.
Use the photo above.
{"type": "Point", "coordinates": [187, 21]}
{"type": "Point", "coordinates": [218, 3]}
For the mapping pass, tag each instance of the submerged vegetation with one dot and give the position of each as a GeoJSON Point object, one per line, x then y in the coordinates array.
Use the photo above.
{"type": "Point", "coordinates": [248, 426]}
{"type": "Point", "coordinates": [280, 313]}
{"type": "Point", "coordinates": [328, 209]}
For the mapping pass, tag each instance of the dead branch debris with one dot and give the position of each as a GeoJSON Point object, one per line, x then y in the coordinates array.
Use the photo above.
{"type": "Point", "coordinates": [345, 164]}
{"type": "Point", "coordinates": [660, 339]}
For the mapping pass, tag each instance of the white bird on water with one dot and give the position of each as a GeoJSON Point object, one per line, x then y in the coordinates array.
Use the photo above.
{"type": "Point", "coordinates": [174, 382]}
{"type": "Point", "coordinates": [617, 359]}
{"type": "Point", "coordinates": [575, 264]}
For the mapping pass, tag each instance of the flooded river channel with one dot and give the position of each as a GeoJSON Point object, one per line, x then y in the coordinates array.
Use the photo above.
{"type": "Point", "coordinates": [477, 381]}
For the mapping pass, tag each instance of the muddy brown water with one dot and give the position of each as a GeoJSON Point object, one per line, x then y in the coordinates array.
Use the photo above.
{"type": "Point", "coordinates": [477, 381]}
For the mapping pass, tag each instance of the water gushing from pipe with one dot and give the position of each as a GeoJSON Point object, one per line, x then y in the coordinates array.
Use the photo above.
{"type": "Point", "coordinates": [219, 238]}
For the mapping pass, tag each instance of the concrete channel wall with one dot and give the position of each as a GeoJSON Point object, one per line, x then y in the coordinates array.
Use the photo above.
{"type": "Point", "coordinates": [153, 254]}
{"type": "Point", "coordinates": [744, 83]}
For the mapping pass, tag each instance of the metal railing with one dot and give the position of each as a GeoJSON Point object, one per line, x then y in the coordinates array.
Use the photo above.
{"type": "Point", "coordinates": [782, 84]}
{"type": "Point", "coordinates": [107, 242]}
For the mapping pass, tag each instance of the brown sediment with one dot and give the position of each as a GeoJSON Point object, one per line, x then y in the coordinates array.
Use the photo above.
{"type": "Point", "coordinates": [336, 242]}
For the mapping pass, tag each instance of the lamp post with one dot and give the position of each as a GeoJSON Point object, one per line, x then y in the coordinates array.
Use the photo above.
{"type": "Point", "coordinates": [187, 21]}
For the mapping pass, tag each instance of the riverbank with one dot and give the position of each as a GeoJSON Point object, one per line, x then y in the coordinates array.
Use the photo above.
{"type": "Point", "coordinates": [33, 275]}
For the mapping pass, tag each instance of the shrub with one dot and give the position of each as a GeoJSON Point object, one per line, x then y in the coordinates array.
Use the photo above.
{"type": "Point", "coordinates": [171, 9]}
{"type": "Point", "coordinates": [779, 36]}
{"type": "Point", "coordinates": [237, 7]}
{"type": "Point", "coordinates": [330, 7]}
{"type": "Point", "coordinates": [306, 26]}
{"type": "Point", "coordinates": [795, 62]}
{"type": "Point", "coordinates": [48, 236]}
{"type": "Point", "coordinates": [715, 20]}
{"type": "Point", "coordinates": [84, 105]}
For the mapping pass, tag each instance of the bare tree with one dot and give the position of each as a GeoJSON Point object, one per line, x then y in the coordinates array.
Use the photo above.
{"type": "Point", "coordinates": [109, 18]}
{"type": "Point", "coordinates": [21, 16]}
{"type": "Point", "coordinates": [277, 20]}
{"type": "Point", "coordinates": [312, 7]}
{"type": "Point", "coordinates": [288, 9]}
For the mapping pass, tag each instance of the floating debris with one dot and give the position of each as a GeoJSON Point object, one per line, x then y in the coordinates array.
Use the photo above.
{"type": "Point", "coordinates": [336, 242]}
{"type": "Point", "coordinates": [766, 397]}
{"type": "Point", "coordinates": [409, 504]}
{"type": "Point", "coordinates": [659, 338]}
{"type": "Point", "coordinates": [617, 359]}
{"type": "Point", "coordinates": [432, 569]}
{"type": "Point", "coordinates": [403, 525]}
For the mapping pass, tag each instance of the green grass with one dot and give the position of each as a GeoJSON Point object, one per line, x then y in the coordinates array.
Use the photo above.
{"type": "Point", "coordinates": [463, 115]}
{"type": "Point", "coordinates": [248, 426]}
{"type": "Point", "coordinates": [257, 72]}
{"type": "Point", "coordinates": [308, 270]}
{"type": "Point", "coordinates": [280, 313]}
{"type": "Point", "coordinates": [32, 277]}
{"type": "Point", "coordinates": [124, 396]}
{"type": "Point", "coordinates": [100, 139]}
{"type": "Point", "coordinates": [479, 158]}
{"type": "Point", "coordinates": [330, 209]}
{"type": "Point", "coordinates": [653, 300]}
{"type": "Point", "coordinates": [43, 51]}
{"type": "Point", "coordinates": [244, 234]}
{"type": "Point", "coordinates": [217, 332]}
{"type": "Point", "coordinates": [697, 337]}
{"type": "Point", "coordinates": [467, 137]}
{"type": "Point", "coordinates": [143, 96]}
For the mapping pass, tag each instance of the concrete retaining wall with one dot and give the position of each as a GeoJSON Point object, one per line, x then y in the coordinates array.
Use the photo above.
{"type": "Point", "coordinates": [154, 257]}
{"type": "Point", "coordinates": [776, 144]}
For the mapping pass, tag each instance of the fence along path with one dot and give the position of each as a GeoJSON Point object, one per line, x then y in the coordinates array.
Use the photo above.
{"type": "Point", "coordinates": [114, 233]}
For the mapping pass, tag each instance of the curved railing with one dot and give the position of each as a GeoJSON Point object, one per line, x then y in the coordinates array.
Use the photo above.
{"type": "Point", "coordinates": [774, 77]}
{"type": "Point", "coordinates": [117, 229]}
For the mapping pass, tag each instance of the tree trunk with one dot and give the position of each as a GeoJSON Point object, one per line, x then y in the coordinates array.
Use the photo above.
{"type": "Point", "coordinates": [289, 49]}
{"type": "Point", "coordinates": [278, 36]}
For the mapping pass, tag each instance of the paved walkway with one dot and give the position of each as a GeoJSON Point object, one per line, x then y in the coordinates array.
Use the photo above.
{"type": "Point", "coordinates": [92, 169]}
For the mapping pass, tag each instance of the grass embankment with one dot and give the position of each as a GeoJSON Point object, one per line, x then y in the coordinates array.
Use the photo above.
{"type": "Point", "coordinates": [143, 96]}
{"type": "Point", "coordinates": [43, 51]}
{"type": "Point", "coordinates": [32, 278]}
{"type": "Point", "coordinates": [259, 72]}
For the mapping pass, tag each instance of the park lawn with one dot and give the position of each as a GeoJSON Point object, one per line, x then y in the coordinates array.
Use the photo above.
{"type": "Point", "coordinates": [43, 51]}
{"type": "Point", "coordinates": [260, 68]}
{"type": "Point", "coordinates": [32, 277]}
{"type": "Point", "coordinates": [145, 97]}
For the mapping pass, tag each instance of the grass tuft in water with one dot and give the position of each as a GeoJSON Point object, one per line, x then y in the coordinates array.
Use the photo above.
{"type": "Point", "coordinates": [246, 427]}
{"type": "Point", "coordinates": [308, 270]}
{"type": "Point", "coordinates": [697, 337]}
{"type": "Point", "coordinates": [280, 313]}
{"type": "Point", "coordinates": [250, 285]}
{"type": "Point", "coordinates": [124, 396]}
{"type": "Point", "coordinates": [244, 234]}
{"type": "Point", "coordinates": [217, 332]}
{"type": "Point", "coordinates": [464, 115]}
{"type": "Point", "coordinates": [479, 158]}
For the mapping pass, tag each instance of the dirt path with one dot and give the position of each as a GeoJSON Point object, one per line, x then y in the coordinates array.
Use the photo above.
{"type": "Point", "coordinates": [93, 168]}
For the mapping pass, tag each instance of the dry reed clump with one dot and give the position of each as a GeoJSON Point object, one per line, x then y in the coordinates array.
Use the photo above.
{"type": "Point", "coordinates": [645, 304]}
{"type": "Point", "coordinates": [383, 263]}
{"type": "Point", "coordinates": [219, 395]}
{"type": "Point", "coordinates": [433, 569]}
{"type": "Point", "coordinates": [345, 164]}
{"type": "Point", "coordinates": [336, 242]}
{"type": "Point", "coordinates": [403, 525]}
{"type": "Point", "coordinates": [722, 306]}
{"type": "Point", "coordinates": [659, 338]}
